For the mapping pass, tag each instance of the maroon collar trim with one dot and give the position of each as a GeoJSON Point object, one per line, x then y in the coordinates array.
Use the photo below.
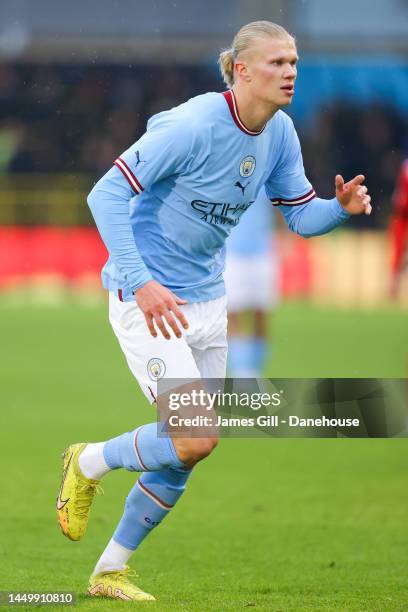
{"type": "Point", "coordinates": [232, 105]}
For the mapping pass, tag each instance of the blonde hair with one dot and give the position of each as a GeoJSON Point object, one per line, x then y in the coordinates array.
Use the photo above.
{"type": "Point", "coordinates": [243, 40]}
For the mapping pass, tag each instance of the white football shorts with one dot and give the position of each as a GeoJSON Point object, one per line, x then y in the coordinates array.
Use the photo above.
{"type": "Point", "coordinates": [200, 353]}
{"type": "Point", "coordinates": [251, 282]}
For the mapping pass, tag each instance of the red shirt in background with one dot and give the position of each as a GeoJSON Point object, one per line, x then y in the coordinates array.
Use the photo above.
{"type": "Point", "coordinates": [400, 197]}
{"type": "Point", "coordinates": [399, 225]}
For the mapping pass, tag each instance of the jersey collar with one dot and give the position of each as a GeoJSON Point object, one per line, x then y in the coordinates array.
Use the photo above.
{"type": "Point", "coordinates": [232, 105]}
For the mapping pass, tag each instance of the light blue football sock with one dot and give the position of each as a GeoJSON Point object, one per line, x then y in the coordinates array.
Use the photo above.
{"type": "Point", "coordinates": [141, 450]}
{"type": "Point", "coordinates": [259, 353]}
{"type": "Point", "coordinates": [246, 356]}
{"type": "Point", "coordinates": [240, 356]}
{"type": "Point", "coordinates": [148, 503]}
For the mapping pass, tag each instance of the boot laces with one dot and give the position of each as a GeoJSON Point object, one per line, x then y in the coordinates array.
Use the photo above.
{"type": "Point", "coordinates": [85, 494]}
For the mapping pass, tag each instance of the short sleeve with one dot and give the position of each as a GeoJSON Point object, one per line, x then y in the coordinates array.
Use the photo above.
{"type": "Point", "coordinates": [287, 184]}
{"type": "Point", "coordinates": [165, 149]}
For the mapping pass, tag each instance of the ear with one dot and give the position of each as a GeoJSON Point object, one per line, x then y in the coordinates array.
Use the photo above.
{"type": "Point", "coordinates": [241, 70]}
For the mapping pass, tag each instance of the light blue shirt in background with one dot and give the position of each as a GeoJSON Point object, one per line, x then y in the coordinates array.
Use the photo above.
{"type": "Point", "coordinates": [253, 235]}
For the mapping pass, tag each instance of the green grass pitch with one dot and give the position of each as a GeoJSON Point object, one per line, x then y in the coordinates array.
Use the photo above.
{"type": "Point", "coordinates": [278, 525]}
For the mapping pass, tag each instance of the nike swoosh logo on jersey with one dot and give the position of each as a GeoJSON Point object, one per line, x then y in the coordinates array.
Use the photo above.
{"type": "Point", "coordinates": [62, 502]}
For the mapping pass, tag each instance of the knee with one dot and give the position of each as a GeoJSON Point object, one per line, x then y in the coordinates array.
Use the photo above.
{"type": "Point", "coordinates": [190, 451]}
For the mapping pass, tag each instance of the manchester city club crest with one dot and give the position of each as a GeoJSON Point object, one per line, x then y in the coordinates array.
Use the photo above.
{"type": "Point", "coordinates": [156, 368]}
{"type": "Point", "coordinates": [247, 166]}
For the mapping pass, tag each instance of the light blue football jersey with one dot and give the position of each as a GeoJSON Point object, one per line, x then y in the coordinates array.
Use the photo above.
{"type": "Point", "coordinates": [167, 206]}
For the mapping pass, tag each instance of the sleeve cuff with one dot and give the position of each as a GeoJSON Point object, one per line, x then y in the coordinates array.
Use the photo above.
{"type": "Point", "coordinates": [343, 214]}
{"type": "Point", "coordinates": [140, 281]}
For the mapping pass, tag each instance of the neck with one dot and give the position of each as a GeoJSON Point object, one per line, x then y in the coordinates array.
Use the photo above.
{"type": "Point", "coordinates": [253, 113]}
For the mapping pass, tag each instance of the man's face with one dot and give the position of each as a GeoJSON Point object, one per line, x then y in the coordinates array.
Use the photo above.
{"type": "Point", "coordinates": [271, 69]}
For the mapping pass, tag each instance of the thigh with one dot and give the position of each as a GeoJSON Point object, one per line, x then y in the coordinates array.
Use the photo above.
{"type": "Point", "coordinates": [210, 348]}
{"type": "Point", "coordinates": [211, 362]}
{"type": "Point", "coordinates": [149, 359]}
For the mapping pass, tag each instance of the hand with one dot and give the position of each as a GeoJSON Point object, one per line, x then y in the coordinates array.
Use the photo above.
{"type": "Point", "coordinates": [353, 195]}
{"type": "Point", "coordinates": [155, 301]}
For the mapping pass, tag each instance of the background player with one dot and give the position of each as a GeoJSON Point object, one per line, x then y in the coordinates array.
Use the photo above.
{"type": "Point", "coordinates": [252, 285]}
{"type": "Point", "coordinates": [399, 229]}
{"type": "Point", "coordinates": [166, 258]}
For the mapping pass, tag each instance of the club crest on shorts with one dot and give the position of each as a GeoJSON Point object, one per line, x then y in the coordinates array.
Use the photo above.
{"type": "Point", "coordinates": [156, 368]}
{"type": "Point", "coordinates": [247, 166]}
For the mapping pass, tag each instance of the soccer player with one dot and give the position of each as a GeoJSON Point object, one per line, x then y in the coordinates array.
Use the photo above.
{"type": "Point", "coordinates": [251, 263]}
{"type": "Point", "coordinates": [399, 229]}
{"type": "Point", "coordinates": [164, 211]}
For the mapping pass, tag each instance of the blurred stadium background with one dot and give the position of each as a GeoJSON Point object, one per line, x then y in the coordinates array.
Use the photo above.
{"type": "Point", "coordinates": [78, 83]}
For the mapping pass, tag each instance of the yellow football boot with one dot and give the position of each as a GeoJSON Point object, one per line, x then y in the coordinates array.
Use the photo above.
{"type": "Point", "coordinates": [116, 585]}
{"type": "Point", "coordinates": [75, 495]}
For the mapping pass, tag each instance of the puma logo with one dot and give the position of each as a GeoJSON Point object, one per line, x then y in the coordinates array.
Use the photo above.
{"type": "Point", "coordinates": [62, 502]}
{"type": "Point", "coordinates": [242, 187]}
{"type": "Point", "coordinates": [138, 160]}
